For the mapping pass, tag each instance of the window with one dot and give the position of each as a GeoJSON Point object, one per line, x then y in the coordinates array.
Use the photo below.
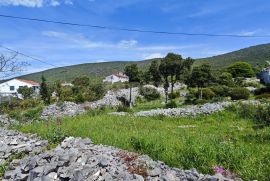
{"type": "Point", "coordinates": [12, 88]}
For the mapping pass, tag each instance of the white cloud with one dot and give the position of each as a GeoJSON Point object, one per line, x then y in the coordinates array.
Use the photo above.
{"type": "Point", "coordinates": [34, 3]}
{"type": "Point", "coordinates": [153, 55]}
{"type": "Point", "coordinates": [127, 43]}
{"type": "Point", "coordinates": [80, 41]}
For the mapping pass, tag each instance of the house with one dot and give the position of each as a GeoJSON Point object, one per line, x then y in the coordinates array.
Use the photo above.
{"type": "Point", "coordinates": [11, 87]}
{"type": "Point", "coordinates": [118, 77]}
{"type": "Point", "coordinates": [265, 76]}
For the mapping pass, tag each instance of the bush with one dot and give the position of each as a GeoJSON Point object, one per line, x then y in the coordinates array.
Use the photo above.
{"type": "Point", "coordinates": [32, 113]}
{"type": "Point", "coordinates": [123, 108]}
{"type": "Point", "coordinates": [174, 95]}
{"type": "Point", "coordinates": [252, 84]}
{"type": "Point", "coordinates": [241, 69]}
{"type": "Point", "coordinates": [262, 90]}
{"type": "Point", "coordinates": [149, 93]}
{"type": "Point", "coordinates": [29, 103]}
{"type": "Point", "coordinates": [207, 93]}
{"type": "Point", "coordinates": [171, 104]}
{"type": "Point", "coordinates": [259, 114]}
{"type": "Point", "coordinates": [239, 93]}
{"type": "Point", "coordinates": [263, 96]}
{"type": "Point", "coordinates": [220, 90]}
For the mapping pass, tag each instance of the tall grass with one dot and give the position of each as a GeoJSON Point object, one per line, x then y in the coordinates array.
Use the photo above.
{"type": "Point", "coordinates": [222, 139]}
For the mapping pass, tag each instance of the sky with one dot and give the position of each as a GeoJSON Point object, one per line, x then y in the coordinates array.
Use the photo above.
{"type": "Point", "coordinates": [63, 45]}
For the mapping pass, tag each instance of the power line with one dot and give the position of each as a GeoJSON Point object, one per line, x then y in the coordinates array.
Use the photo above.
{"type": "Point", "coordinates": [133, 30]}
{"type": "Point", "coordinates": [28, 56]}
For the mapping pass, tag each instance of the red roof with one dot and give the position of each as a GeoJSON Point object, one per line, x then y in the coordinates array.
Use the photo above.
{"type": "Point", "coordinates": [29, 82]}
{"type": "Point", "coordinates": [121, 75]}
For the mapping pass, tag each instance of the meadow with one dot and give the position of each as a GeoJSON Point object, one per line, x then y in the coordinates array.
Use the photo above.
{"type": "Point", "coordinates": [222, 139]}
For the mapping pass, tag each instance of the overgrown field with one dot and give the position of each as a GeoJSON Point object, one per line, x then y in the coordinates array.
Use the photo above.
{"type": "Point", "coordinates": [222, 139]}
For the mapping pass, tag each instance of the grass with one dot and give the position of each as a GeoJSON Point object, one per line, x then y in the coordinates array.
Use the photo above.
{"type": "Point", "coordinates": [222, 139]}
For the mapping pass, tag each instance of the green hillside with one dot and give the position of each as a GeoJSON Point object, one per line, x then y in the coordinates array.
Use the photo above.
{"type": "Point", "coordinates": [96, 71]}
{"type": "Point", "coordinates": [253, 55]}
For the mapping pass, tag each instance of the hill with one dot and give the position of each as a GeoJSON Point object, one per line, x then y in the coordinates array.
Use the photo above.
{"type": "Point", "coordinates": [96, 71]}
{"type": "Point", "coordinates": [253, 55]}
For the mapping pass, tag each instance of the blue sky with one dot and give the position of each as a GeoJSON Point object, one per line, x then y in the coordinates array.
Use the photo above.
{"type": "Point", "coordinates": [66, 45]}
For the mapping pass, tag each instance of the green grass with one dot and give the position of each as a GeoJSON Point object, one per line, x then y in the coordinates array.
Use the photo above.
{"type": "Point", "coordinates": [220, 139]}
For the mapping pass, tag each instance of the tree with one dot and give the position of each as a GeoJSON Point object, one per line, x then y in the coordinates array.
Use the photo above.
{"type": "Point", "coordinates": [9, 65]}
{"type": "Point", "coordinates": [172, 67]}
{"type": "Point", "coordinates": [58, 90]}
{"type": "Point", "coordinates": [44, 91]}
{"type": "Point", "coordinates": [133, 74]}
{"type": "Point", "coordinates": [25, 91]}
{"type": "Point", "coordinates": [241, 69]}
{"type": "Point", "coordinates": [201, 76]}
{"type": "Point", "coordinates": [83, 81]}
{"type": "Point", "coordinates": [225, 79]}
{"type": "Point", "coordinates": [154, 73]}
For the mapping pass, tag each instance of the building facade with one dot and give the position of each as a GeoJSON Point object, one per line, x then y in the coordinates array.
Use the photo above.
{"type": "Point", "coordinates": [11, 87]}
{"type": "Point", "coordinates": [118, 77]}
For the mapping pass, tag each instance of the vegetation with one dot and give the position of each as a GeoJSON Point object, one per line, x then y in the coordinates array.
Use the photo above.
{"type": "Point", "coordinates": [149, 93]}
{"type": "Point", "coordinates": [255, 55]}
{"type": "Point", "coordinates": [200, 77]}
{"type": "Point", "coordinates": [239, 93]}
{"type": "Point", "coordinates": [224, 139]}
{"type": "Point", "coordinates": [241, 69]}
{"type": "Point", "coordinates": [133, 74]}
{"type": "Point", "coordinates": [25, 91]}
{"type": "Point", "coordinates": [44, 91]}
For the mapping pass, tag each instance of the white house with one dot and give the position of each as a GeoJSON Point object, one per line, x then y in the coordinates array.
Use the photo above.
{"type": "Point", "coordinates": [118, 77]}
{"type": "Point", "coordinates": [10, 87]}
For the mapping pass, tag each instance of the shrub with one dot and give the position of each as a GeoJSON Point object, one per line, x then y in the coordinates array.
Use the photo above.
{"type": "Point", "coordinates": [79, 98]}
{"type": "Point", "coordinates": [207, 93]}
{"type": "Point", "coordinates": [29, 103]}
{"type": "Point", "coordinates": [171, 104]}
{"type": "Point", "coordinates": [252, 84]}
{"type": "Point", "coordinates": [241, 69]}
{"type": "Point", "coordinates": [239, 93]}
{"type": "Point", "coordinates": [149, 93]}
{"type": "Point", "coordinates": [174, 95]}
{"type": "Point", "coordinates": [123, 108]}
{"type": "Point", "coordinates": [32, 113]}
{"type": "Point", "coordinates": [262, 90]}
{"type": "Point", "coordinates": [220, 90]}
{"type": "Point", "coordinates": [200, 101]}
{"type": "Point", "coordinates": [263, 96]}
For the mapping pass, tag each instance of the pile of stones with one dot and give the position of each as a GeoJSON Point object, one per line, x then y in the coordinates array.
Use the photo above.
{"type": "Point", "coordinates": [190, 111]}
{"type": "Point", "coordinates": [111, 99]}
{"type": "Point", "coordinates": [5, 120]}
{"type": "Point", "coordinates": [59, 110]}
{"type": "Point", "coordinates": [13, 142]}
{"type": "Point", "coordinates": [79, 159]}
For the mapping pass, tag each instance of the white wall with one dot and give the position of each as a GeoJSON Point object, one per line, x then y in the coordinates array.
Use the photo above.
{"type": "Point", "coordinates": [113, 79]}
{"type": "Point", "coordinates": [5, 87]}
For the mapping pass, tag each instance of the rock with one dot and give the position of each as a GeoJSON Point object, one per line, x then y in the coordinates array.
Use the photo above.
{"type": "Point", "coordinates": [79, 159]}
{"type": "Point", "coordinates": [65, 109]}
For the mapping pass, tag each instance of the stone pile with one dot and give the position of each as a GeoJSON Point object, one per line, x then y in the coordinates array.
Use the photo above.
{"type": "Point", "coordinates": [191, 111]}
{"type": "Point", "coordinates": [111, 99]}
{"type": "Point", "coordinates": [79, 159]}
{"type": "Point", "coordinates": [13, 142]}
{"type": "Point", "coordinates": [59, 110]}
{"type": "Point", "coordinates": [5, 120]}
